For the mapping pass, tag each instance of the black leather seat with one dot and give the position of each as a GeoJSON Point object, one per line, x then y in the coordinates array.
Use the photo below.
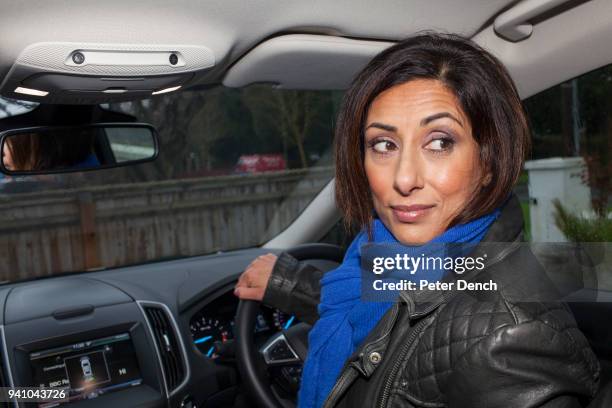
{"type": "Point", "coordinates": [574, 272]}
{"type": "Point", "coordinates": [603, 399]}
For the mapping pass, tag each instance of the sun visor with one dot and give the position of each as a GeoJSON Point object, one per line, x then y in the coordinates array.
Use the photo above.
{"type": "Point", "coordinates": [301, 61]}
{"type": "Point", "coordinates": [71, 73]}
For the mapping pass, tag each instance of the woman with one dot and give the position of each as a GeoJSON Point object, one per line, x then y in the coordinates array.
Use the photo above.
{"type": "Point", "coordinates": [49, 151]}
{"type": "Point", "coordinates": [429, 143]}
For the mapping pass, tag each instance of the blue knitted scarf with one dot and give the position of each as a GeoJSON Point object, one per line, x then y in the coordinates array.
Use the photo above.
{"type": "Point", "coordinates": [345, 320]}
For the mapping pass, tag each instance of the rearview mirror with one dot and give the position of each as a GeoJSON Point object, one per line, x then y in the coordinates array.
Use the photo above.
{"type": "Point", "coordinates": [53, 149]}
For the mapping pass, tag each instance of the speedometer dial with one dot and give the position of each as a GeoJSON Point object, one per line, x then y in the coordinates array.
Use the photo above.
{"type": "Point", "coordinates": [206, 331]}
{"type": "Point", "coordinates": [212, 326]}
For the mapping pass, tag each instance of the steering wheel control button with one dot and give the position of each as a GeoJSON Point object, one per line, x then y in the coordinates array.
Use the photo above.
{"type": "Point", "coordinates": [278, 351]}
{"type": "Point", "coordinates": [375, 357]}
{"type": "Point", "coordinates": [293, 374]}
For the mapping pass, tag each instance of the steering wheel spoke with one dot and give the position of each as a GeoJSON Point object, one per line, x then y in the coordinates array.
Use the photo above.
{"type": "Point", "coordinates": [278, 351]}
{"type": "Point", "coordinates": [284, 353]}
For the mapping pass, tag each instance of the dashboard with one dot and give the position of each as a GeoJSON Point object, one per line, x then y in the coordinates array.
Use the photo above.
{"type": "Point", "coordinates": [153, 335]}
{"type": "Point", "coordinates": [212, 327]}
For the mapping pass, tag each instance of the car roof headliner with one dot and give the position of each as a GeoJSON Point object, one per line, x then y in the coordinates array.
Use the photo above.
{"type": "Point", "coordinates": [231, 27]}
{"type": "Point", "coordinates": [560, 47]}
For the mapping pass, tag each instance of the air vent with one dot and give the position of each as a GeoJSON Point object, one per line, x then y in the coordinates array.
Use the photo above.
{"type": "Point", "coordinates": [167, 345]}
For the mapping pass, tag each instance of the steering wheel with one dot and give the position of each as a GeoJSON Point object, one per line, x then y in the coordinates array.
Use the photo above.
{"type": "Point", "coordinates": [286, 350]}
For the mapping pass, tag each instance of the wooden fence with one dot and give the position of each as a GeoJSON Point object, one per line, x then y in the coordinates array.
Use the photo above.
{"type": "Point", "coordinates": [51, 232]}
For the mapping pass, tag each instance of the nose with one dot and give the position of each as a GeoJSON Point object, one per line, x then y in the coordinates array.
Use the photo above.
{"type": "Point", "coordinates": [408, 173]}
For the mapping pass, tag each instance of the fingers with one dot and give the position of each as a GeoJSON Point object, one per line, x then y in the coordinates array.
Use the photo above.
{"type": "Point", "coordinates": [246, 279]}
{"type": "Point", "coordinates": [261, 262]}
{"type": "Point", "coordinates": [267, 258]}
{"type": "Point", "coordinates": [252, 282]}
{"type": "Point", "coordinates": [242, 280]}
{"type": "Point", "coordinates": [249, 293]}
{"type": "Point", "coordinates": [270, 256]}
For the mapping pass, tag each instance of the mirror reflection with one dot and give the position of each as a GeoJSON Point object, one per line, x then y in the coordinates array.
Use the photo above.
{"type": "Point", "coordinates": [63, 149]}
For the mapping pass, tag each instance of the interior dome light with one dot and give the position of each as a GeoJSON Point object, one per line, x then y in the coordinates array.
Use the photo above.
{"type": "Point", "coordinates": [166, 90]}
{"type": "Point", "coordinates": [29, 91]}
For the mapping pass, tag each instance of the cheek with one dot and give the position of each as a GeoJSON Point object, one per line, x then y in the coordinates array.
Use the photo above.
{"type": "Point", "coordinates": [6, 156]}
{"type": "Point", "coordinates": [380, 179]}
{"type": "Point", "coordinates": [455, 179]}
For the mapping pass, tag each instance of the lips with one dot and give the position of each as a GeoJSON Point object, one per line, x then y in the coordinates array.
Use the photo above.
{"type": "Point", "coordinates": [411, 213]}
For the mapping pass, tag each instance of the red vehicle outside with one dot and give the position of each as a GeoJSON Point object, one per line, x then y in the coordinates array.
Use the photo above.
{"type": "Point", "coordinates": [258, 163]}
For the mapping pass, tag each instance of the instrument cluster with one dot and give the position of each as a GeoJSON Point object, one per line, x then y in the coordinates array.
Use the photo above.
{"type": "Point", "coordinates": [213, 325]}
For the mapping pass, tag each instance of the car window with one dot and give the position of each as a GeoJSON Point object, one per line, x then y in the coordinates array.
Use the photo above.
{"type": "Point", "coordinates": [235, 167]}
{"type": "Point", "coordinates": [13, 107]}
{"type": "Point", "coordinates": [566, 187]}
{"type": "Point", "coordinates": [570, 161]}
{"type": "Point", "coordinates": [339, 235]}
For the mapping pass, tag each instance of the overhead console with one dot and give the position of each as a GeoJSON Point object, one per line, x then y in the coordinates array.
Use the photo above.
{"type": "Point", "coordinates": [304, 61]}
{"type": "Point", "coordinates": [91, 73]}
{"type": "Point", "coordinates": [98, 344]}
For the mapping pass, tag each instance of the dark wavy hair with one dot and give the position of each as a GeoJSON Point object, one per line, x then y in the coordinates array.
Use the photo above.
{"type": "Point", "coordinates": [51, 150]}
{"type": "Point", "coordinates": [485, 92]}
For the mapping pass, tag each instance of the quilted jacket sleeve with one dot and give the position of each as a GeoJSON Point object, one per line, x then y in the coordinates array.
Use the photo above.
{"type": "Point", "coordinates": [294, 288]}
{"type": "Point", "coordinates": [525, 365]}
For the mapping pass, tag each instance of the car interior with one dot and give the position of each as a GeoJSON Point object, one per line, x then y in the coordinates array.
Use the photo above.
{"type": "Point", "coordinates": [149, 318]}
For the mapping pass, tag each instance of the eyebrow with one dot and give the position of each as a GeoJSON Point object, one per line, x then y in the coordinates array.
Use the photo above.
{"type": "Point", "coordinates": [382, 126]}
{"type": "Point", "coordinates": [424, 121]}
{"type": "Point", "coordinates": [440, 115]}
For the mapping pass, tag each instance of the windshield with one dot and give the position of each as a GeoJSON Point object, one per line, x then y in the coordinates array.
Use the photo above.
{"type": "Point", "coordinates": [235, 167]}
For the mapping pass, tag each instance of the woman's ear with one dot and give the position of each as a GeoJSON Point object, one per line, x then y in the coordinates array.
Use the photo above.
{"type": "Point", "coordinates": [487, 179]}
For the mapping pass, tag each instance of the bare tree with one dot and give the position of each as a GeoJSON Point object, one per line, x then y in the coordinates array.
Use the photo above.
{"type": "Point", "coordinates": [292, 112]}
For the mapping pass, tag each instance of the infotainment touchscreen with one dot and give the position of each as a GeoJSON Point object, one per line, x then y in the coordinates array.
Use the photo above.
{"type": "Point", "coordinates": [88, 369]}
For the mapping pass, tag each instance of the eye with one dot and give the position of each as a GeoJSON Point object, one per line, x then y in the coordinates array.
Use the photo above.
{"type": "Point", "coordinates": [440, 144]}
{"type": "Point", "coordinates": [382, 145]}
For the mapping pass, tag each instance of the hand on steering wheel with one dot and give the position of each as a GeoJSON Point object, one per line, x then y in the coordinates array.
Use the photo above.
{"type": "Point", "coordinates": [286, 350]}
{"type": "Point", "coordinates": [252, 283]}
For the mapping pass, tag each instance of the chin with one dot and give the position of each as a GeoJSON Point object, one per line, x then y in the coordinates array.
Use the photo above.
{"type": "Point", "coordinates": [418, 236]}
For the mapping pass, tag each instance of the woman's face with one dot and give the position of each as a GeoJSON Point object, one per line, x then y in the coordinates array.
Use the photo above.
{"type": "Point", "coordinates": [421, 160]}
{"type": "Point", "coordinates": [7, 156]}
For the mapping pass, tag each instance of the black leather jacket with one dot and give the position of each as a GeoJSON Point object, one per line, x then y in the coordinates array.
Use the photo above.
{"type": "Point", "coordinates": [461, 349]}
